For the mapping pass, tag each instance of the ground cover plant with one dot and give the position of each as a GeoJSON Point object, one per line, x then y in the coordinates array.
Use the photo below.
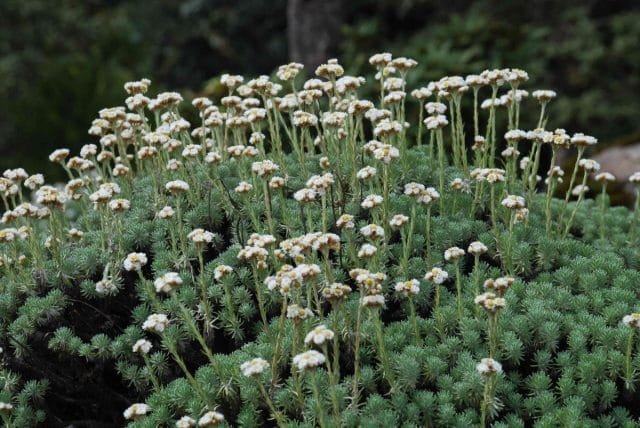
{"type": "Point", "coordinates": [301, 256]}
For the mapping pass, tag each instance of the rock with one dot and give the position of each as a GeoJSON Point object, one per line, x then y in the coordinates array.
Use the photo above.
{"type": "Point", "coordinates": [621, 161]}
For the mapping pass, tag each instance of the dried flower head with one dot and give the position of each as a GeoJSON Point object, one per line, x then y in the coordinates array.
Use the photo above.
{"type": "Point", "coordinates": [632, 320]}
{"type": "Point", "coordinates": [489, 367]}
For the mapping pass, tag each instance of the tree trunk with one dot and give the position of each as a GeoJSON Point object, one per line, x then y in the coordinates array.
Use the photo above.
{"type": "Point", "coordinates": [313, 30]}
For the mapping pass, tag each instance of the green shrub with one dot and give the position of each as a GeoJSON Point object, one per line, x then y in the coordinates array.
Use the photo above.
{"type": "Point", "coordinates": [309, 262]}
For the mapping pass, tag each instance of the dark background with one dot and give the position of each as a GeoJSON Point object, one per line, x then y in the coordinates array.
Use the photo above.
{"type": "Point", "coordinates": [63, 60]}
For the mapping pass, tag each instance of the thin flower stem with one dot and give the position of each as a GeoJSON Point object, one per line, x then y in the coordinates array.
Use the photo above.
{"type": "Point", "coordinates": [268, 207]}
{"type": "Point", "coordinates": [204, 294]}
{"type": "Point", "coordinates": [387, 372]}
{"type": "Point", "coordinates": [260, 297]}
{"type": "Point", "coordinates": [570, 188]}
{"type": "Point", "coordinates": [628, 368]}
{"type": "Point", "coordinates": [459, 292]}
{"type": "Point", "coordinates": [189, 320]}
{"type": "Point", "coordinates": [428, 235]}
{"type": "Point", "coordinates": [576, 206]}
{"type": "Point", "coordinates": [192, 381]}
{"type": "Point", "coordinates": [486, 399]}
{"type": "Point", "coordinates": [603, 207]}
{"type": "Point", "coordinates": [152, 375]}
{"type": "Point", "coordinates": [333, 380]}
{"type": "Point", "coordinates": [414, 322]}
{"type": "Point", "coordinates": [441, 162]}
{"type": "Point", "coordinates": [634, 220]}
{"type": "Point", "coordinates": [275, 414]}
{"type": "Point", "coordinates": [355, 393]}
{"type": "Point", "coordinates": [319, 404]}
{"type": "Point", "coordinates": [276, 352]}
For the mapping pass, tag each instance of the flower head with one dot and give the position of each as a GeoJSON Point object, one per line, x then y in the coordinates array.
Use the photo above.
{"type": "Point", "coordinates": [436, 276]}
{"type": "Point", "coordinates": [210, 419]}
{"type": "Point", "coordinates": [453, 254]}
{"type": "Point", "coordinates": [489, 367]}
{"type": "Point", "coordinates": [254, 367]}
{"type": "Point", "coordinates": [135, 261]}
{"type": "Point", "coordinates": [142, 346]}
{"type": "Point", "coordinates": [156, 322]}
{"type": "Point", "coordinates": [319, 335]}
{"type": "Point", "coordinates": [632, 320]}
{"type": "Point", "coordinates": [167, 282]}
{"type": "Point", "coordinates": [308, 360]}
{"type": "Point", "coordinates": [177, 186]}
{"type": "Point", "coordinates": [136, 411]}
{"type": "Point", "coordinates": [408, 288]}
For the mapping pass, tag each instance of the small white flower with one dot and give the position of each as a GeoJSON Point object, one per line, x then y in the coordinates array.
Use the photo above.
{"type": "Point", "coordinates": [277, 182]}
{"type": "Point", "coordinates": [579, 190]}
{"type": "Point", "coordinates": [605, 177]}
{"type": "Point", "coordinates": [201, 236]}
{"type": "Point", "coordinates": [436, 275]}
{"type": "Point", "coordinates": [264, 168]}
{"type": "Point", "coordinates": [119, 205]}
{"type": "Point", "coordinates": [142, 346]}
{"type": "Point", "coordinates": [413, 189]}
{"type": "Point", "coordinates": [428, 196]}
{"type": "Point", "coordinates": [372, 231]}
{"type": "Point", "coordinates": [308, 360]}
{"type": "Point", "coordinates": [135, 411]}
{"type": "Point", "coordinates": [477, 248]}
{"type": "Point", "coordinates": [221, 271]}
{"type": "Point", "coordinates": [177, 186]}
{"type": "Point", "coordinates": [59, 155]}
{"type": "Point", "coordinates": [367, 250]}
{"type": "Point", "coordinates": [453, 254]}
{"type": "Point", "coordinates": [254, 367]}
{"type": "Point", "coordinates": [297, 313]}
{"type": "Point", "coordinates": [398, 220]}
{"type": "Point", "coordinates": [166, 212]}
{"type": "Point", "coordinates": [408, 288]}
{"type": "Point", "coordinates": [589, 165]}
{"type": "Point", "coordinates": [34, 181]}
{"type": "Point", "coordinates": [366, 173]}
{"type": "Point", "coordinates": [105, 286]}
{"type": "Point", "coordinates": [167, 282]}
{"type": "Point", "coordinates": [372, 201]}
{"type": "Point", "coordinates": [210, 419]}
{"type": "Point", "coordinates": [243, 187]}
{"type": "Point", "coordinates": [634, 178]}
{"type": "Point", "coordinates": [489, 302]}
{"type": "Point", "coordinates": [544, 95]}
{"type": "Point", "coordinates": [135, 261]}
{"type": "Point", "coordinates": [632, 320]}
{"type": "Point", "coordinates": [373, 301]}
{"type": "Point", "coordinates": [345, 221]}
{"type": "Point", "coordinates": [319, 335]}
{"type": "Point", "coordinates": [186, 422]}
{"type": "Point", "coordinates": [513, 202]}
{"type": "Point", "coordinates": [156, 322]}
{"type": "Point", "coordinates": [489, 367]}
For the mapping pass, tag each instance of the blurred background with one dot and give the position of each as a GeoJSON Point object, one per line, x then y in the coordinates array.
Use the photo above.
{"type": "Point", "coordinates": [63, 60]}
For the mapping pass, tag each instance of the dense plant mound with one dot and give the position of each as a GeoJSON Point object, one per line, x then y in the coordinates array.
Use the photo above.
{"type": "Point", "coordinates": [311, 259]}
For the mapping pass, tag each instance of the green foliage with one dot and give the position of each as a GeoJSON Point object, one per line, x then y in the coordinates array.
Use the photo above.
{"type": "Point", "coordinates": [227, 266]}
